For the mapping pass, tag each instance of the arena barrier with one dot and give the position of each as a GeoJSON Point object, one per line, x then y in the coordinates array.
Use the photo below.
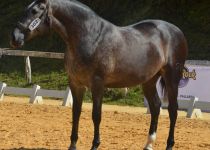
{"type": "Point", "coordinates": [36, 94]}
{"type": "Point", "coordinates": [193, 95]}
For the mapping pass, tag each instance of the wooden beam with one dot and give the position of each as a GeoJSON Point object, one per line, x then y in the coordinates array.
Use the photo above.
{"type": "Point", "coordinates": [31, 53]}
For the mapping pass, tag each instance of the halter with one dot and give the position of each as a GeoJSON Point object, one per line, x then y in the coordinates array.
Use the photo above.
{"type": "Point", "coordinates": [34, 23]}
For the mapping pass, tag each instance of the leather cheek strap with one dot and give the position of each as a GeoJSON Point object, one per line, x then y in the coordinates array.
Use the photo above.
{"type": "Point", "coordinates": [49, 15]}
{"type": "Point", "coordinates": [48, 21]}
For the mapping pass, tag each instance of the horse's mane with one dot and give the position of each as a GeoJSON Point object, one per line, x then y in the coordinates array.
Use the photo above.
{"type": "Point", "coordinates": [79, 3]}
{"type": "Point", "coordinates": [74, 1]}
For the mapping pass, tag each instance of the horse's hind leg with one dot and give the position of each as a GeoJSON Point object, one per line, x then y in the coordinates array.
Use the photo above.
{"type": "Point", "coordinates": [172, 77]}
{"type": "Point", "coordinates": [154, 102]}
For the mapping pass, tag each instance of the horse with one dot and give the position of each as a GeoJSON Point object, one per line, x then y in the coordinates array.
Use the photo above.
{"type": "Point", "coordinates": [102, 55]}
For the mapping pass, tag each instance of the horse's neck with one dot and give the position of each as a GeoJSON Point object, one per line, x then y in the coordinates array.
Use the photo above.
{"type": "Point", "coordinates": [73, 21]}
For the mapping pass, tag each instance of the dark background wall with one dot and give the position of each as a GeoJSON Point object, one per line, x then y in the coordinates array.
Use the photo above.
{"type": "Point", "coordinates": [192, 16]}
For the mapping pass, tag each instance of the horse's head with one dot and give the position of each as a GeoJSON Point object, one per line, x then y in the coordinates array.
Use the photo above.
{"type": "Point", "coordinates": [35, 22]}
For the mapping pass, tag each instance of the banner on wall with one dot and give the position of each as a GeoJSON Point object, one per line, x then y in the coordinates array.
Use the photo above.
{"type": "Point", "coordinates": [194, 83]}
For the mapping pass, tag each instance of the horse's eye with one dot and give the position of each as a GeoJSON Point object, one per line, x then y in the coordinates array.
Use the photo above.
{"type": "Point", "coordinates": [34, 11]}
{"type": "Point", "coordinates": [42, 7]}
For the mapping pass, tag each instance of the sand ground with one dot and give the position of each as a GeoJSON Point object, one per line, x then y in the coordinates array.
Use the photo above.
{"type": "Point", "coordinates": [24, 126]}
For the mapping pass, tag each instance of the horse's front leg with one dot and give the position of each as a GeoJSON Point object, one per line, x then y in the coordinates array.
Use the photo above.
{"type": "Point", "coordinates": [77, 94]}
{"type": "Point", "coordinates": [97, 90]}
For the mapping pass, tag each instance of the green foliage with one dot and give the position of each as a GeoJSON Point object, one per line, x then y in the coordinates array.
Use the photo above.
{"type": "Point", "coordinates": [134, 97]}
{"type": "Point", "coordinates": [48, 73]}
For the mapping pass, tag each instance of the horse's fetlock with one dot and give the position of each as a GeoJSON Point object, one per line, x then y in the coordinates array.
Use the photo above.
{"type": "Point", "coordinates": [96, 143]}
{"type": "Point", "coordinates": [170, 144]}
{"type": "Point", "coordinates": [74, 139]}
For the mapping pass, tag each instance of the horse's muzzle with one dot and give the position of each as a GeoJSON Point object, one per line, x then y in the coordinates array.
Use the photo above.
{"type": "Point", "coordinates": [17, 38]}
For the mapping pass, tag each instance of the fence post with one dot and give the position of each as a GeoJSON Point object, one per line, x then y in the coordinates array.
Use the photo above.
{"type": "Point", "coordinates": [28, 69]}
{"type": "Point", "coordinates": [192, 112]}
{"type": "Point", "coordinates": [2, 87]}
{"type": "Point", "coordinates": [34, 98]}
{"type": "Point", "coordinates": [68, 100]}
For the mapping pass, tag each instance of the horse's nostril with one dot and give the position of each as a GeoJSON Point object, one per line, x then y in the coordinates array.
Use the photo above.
{"type": "Point", "coordinates": [17, 35]}
{"type": "Point", "coordinates": [13, 36]}
{"type": "Point", "coordinates": [17, 38]}
{"type": "Point", "coordinates": [21, 36]}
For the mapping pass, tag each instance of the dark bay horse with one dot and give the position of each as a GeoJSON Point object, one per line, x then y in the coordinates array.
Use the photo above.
{"type": "Point", "coordinates": [101, 55]}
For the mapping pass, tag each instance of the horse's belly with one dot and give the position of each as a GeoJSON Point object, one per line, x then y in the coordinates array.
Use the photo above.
{"type": "Point", "coordinates": [133, 74]}
{"type": "Point", "coordinates": [119, 81]}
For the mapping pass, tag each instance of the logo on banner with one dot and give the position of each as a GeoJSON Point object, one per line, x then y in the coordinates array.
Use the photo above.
{"type": "Point", "coordinates": [186, 76]}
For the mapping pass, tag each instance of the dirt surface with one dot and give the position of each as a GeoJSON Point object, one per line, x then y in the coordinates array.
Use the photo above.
{"type": "Point", "coordinates": [24, 126]}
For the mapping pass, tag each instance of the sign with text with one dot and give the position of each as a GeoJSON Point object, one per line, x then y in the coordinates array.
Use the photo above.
{"type": "Point", "coordinates": [194, 83]}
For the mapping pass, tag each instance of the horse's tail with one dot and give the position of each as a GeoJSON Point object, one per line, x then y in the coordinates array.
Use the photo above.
{"type": "Point", "coordinates": [163, 90]}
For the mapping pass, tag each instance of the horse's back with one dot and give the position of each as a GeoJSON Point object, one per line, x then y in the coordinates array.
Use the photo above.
{"type": "Point", "coordinates": [173, 41]}
{"type": "Point", "coordinates": [147, 26]}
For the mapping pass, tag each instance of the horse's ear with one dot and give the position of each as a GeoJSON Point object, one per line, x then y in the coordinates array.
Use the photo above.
{"type": "Point", "coordinates": [45, 2]}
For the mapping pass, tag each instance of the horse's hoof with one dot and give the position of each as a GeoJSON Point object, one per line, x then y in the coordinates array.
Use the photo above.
{"type": "Point", "coordinates": [94, 148]}
{"type": "Point", "coordinates": [72, 148]}
{"type": "Point", "coordinates": [169, 148]}
{"type": "Point", "coordinates": [147, 149]}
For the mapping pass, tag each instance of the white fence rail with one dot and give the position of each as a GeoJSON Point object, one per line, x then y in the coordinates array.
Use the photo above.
{"type": "Point", "coordinates": [194, 107]}
{"type": "Point", "coordinates": [36, 94]}
{"type": "Point", "coordinates": [194, 102]}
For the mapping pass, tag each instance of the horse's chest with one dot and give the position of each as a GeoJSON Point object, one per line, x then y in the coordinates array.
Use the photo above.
{"type": "Point", "coordinates": [78, 71]}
